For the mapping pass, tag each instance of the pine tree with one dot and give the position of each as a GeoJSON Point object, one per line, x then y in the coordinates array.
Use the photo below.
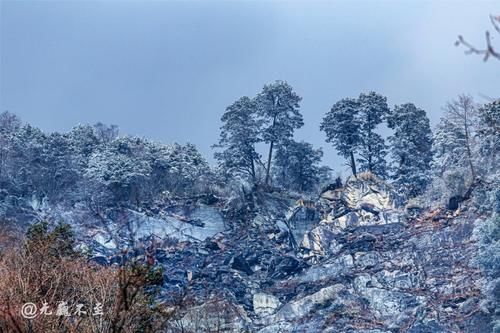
{"type": "Point", "coordinates": [372, 152]}
{"type": "Point", "coordinates": [240, 133]}
{"type": "Point", "coordinates": [278, 107]}
{"type": "Point", "coordinates": [342, 127]}
{"type": "Point", "coordinates": [122, 167]}
{"type": "Point", "coordinates": [27, 167]}
{"type": "Point", "coordinates": [84, 142]}
{"type": "Point", "coordinates": [296, 166]}
{"type": "Point", "coordinates": [188, 170]}
{"type": "Point", "coordinates": [60, 171]}
{"type": "Point", "coordinates": [410, 148]}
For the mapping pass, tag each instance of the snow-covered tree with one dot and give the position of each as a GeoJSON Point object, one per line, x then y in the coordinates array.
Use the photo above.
{"type": "Point", "coordinates": [454, 141]}
{"type": "Point", "coordinates": [60, 172]}
{"type": "Point", "coordinates": [342, 128]}
{"type": "Point", "coordinates": [296, 166]}
{"type": "Point", "coordinates": [240, 133]}
{"type": "Point", "coordinates": [188, 170]}
{"type": "Point", "coordinates": [33, 163]}
{"type": "Point", "coordinates": [373, 110]}
{"type": "Point", "coordinates": [5, 149]}
{"type": "Point", "coordinates": [26, 160]}
{"type": "Point", "coordinates": [487, 158]}
{"type": "Point", "coordinates": [120, 172]}
{"type": "Point", "coordinates": [9, 122]}
{"type": "Point", "coordinates": [488, 136]}
{"type": "Point", "coordinates": [278, 107]}
{"type": "Point", "coordinates": [105, 133]}
{"type": "Point", "coordinates": [84, 142]}
{"type": "Point", "coordinates": [410, 148]}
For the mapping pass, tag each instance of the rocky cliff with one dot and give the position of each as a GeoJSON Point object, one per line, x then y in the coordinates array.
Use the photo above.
{"type": "Point", "coordinates": [352, 260]}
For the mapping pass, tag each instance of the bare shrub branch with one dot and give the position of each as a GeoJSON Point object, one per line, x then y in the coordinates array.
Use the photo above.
{"type": "Point", "coordinates": [489, 50]}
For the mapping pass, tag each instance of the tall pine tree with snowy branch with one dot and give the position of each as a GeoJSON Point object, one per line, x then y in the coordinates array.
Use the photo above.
{"type": "Point", "coordinates": [410, 148]}
{"type": "Point", "coordinates": [373, 110]}
{"type": "Point", "coordinates": [342, 128]}
{"type": "Point", "coordinates": [278, 107]}
{"type": "Point", "coordinates": [351, 126]}
{"type": "Point", "coordinates": [240, 133]}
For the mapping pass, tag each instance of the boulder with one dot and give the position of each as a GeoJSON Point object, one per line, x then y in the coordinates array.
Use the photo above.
{"type": "Point", "coordinates": [265, 304]}
{"type": "Point", "coordinates": [305, 305]}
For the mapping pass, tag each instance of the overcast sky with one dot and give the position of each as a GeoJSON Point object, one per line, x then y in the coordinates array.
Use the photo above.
{"type": "Point", "coordinates": [167, 70]}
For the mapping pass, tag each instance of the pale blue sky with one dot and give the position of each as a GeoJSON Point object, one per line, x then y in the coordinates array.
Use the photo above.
{"type": "Point", "coordinates": [167, 69]}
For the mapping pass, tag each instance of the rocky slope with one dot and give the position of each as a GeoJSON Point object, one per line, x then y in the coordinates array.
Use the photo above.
{"type": "Point", "coordinates": [365, 266]}
{"type": "Point", "coordinates": [354, 260]}
{"type": "Point", "coordinates": [368, 266]}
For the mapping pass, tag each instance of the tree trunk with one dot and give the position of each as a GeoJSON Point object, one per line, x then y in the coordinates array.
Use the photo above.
{"type": "Point", "coordinates": [270, 157]}
{"type": "Point", "coordinates": [370, 166]}
{"type": "Point", "coordinates": [353, 164]}
{"type": "Point", "coordinates": [253, 171]}
{"type": "Point", "coordinates": [472, 171]}
{"type": "Point", "coordinates": [469, 153]}
{"type": "Point", "coordinates": [268, 169]}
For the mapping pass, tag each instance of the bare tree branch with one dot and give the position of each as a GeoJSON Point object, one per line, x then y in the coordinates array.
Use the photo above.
{"type": "Point", "coordinates": [489, 51]}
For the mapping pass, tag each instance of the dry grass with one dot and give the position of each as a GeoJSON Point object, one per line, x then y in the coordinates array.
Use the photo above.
{"type": "Point", "coordinates": [34, 272]}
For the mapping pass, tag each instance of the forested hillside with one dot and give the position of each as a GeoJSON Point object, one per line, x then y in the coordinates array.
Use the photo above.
{"type": "Point", "coordinates": [267, 238]}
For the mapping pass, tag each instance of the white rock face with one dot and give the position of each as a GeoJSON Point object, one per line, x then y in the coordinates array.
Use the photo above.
{"type": "Point", "coordinates": [105, 240]}
{"type": "Point", "coordinates": [140, 226]}
{"type": "Point", "coordinates": [368, 191]}
{"type": "Point", "coordinates": [305, 305]}
{"type": "Point", "coordinates": [321, 240]}
{"type": "Point", "coordinates": [171, 227]}
{"type": "Point", "coordinates": [386, 302]}
{"type": "Point", "coordinates": [365, 200]}
{"type": "Point", "coordinates": [265, 304]}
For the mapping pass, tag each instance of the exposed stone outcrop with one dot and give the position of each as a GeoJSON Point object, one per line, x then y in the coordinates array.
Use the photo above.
{"type": "Point", "coordinates": [364, 200]}
{"type": "Point", "coordinates": [265, 304]}
{"type": "Point", "coordinates": [416, 277]}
